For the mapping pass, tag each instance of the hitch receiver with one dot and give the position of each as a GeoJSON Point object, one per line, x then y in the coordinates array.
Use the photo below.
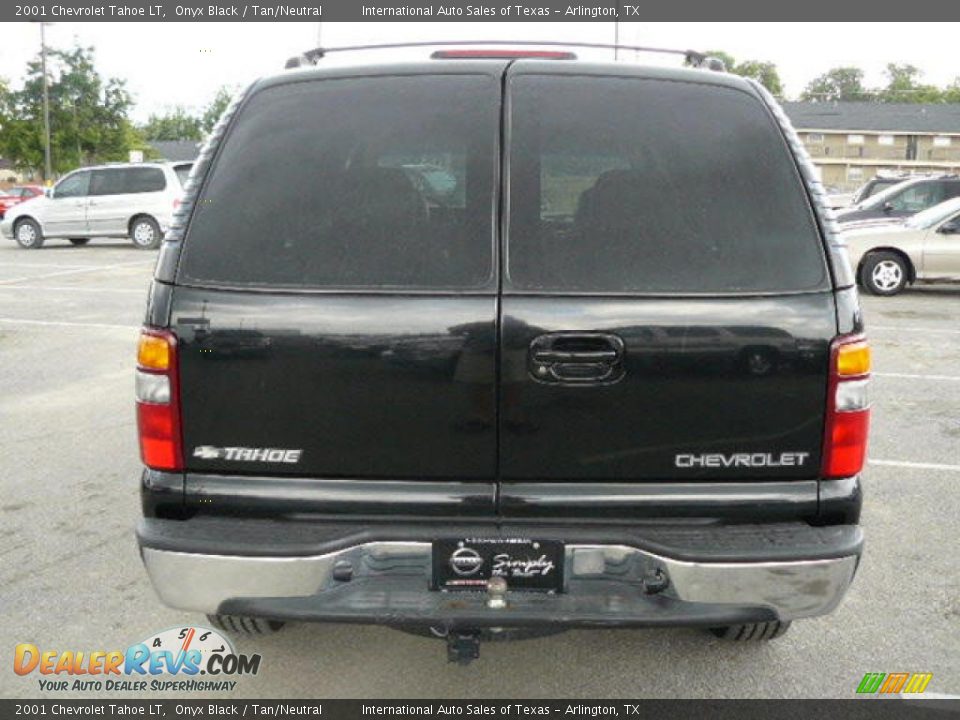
{"type": "Point", "coordinates": [463, 647]}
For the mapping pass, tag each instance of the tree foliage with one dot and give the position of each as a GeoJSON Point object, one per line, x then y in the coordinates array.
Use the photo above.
{"type": "Point", "coordinates": [215, 109]}
{"type": "Point", "coordinates": [765, 73]}
{"type": "Point", "coordinates": [838, 84]}
{"type": "Point", "coordinates": [88, 114]}
{"type": "Point", "coordinates": [177, 124]}
{"type": "Point", "coordinates": [180, 124]}
{"type": "Point", "coordinates": [903, 86]}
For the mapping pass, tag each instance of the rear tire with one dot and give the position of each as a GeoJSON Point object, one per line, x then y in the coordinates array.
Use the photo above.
{"type": "Point", "coordinates": [884, 273]}
{"type": "Point", "coordinates": [243, 625]}
{"type": "Point", "coordinates": [752, 632]}
{"type": "Point", "coordinates": [28, 234]}
{"type": "Point", "coordinates": [145, 233]}
{"type": "Point", "coordinates": [79, 241]}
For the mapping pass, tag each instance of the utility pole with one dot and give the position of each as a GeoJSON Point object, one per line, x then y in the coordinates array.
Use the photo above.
{"type": "Point", "coordinates": [47, 166]}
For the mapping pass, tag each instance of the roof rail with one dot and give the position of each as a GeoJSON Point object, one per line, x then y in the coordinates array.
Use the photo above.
{"type": "Point", "coordinates": [691, 57]}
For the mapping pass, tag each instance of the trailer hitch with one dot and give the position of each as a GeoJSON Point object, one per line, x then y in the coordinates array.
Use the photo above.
{"type": "Point", "coordinates": [463, 647]}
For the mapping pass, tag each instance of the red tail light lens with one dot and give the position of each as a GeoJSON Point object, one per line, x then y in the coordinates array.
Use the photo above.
{"type": "Point", "coordinates": [848, 408]}
{"type": "Point", "coordinates": [158, 400]}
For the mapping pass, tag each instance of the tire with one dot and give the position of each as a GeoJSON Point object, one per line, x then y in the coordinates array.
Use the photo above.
{"type": "Point", "coordinates": [243, 625]}
{"type": "Point", "coordinates": [79, 241]}
{"type": "Point", "coordinates": [145, 233]}
{"type": "Point", "coordinates": [884, 273]}
{"type": "Point", "coordinates": [28, 234]}
{"type": "Point", "coordinates": [752, 632]}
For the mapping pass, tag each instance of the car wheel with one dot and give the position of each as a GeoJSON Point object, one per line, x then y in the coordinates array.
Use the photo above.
{"type": "Point", "coordinates": [79, 241]}
{"type": "Point", "coordinates": [28, 234]}
{"type": "Point", "coordinates": [752, 632]}
{"type": "Point", "coordinates": [145, 233]}
{"type": "Point", "coordinates": [884, 273]}
{"type": "Point", "coordinates": [244, 625]}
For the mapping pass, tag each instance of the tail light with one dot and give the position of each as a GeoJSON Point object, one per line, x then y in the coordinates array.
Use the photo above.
{"type": "Point", "coordinates": [848, 408]}
{"type": "Point", "coordinates": [177, 202]}
{"type": "Point", "coordinates": [158, 400]}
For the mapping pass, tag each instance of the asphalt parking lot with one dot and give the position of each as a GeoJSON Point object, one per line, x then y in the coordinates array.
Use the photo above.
{"type": "Point", "coordinates": [70, 576]}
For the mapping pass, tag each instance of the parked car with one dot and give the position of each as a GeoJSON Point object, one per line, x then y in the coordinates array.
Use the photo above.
{"type": "Point", "coordinates": [16, 195]}
{"type": "Point", "coordinates": [925, 248]}
{"type": "Point", "coordinates": [880, 182]}
{"type": "Point", "coordinates": [902, 200]}
{"type": "Point", "coordinates": [132, 200]}
{"type": "Point", "coordinates": [488, 417]}
{"type": "Point", "coordinates": [837, 198]}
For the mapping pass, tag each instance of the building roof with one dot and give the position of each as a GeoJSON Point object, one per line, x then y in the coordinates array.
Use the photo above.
{"type": "Point", "coordinates": [875, 116]}
{"type": "Point", "coordinates": [176, 150]}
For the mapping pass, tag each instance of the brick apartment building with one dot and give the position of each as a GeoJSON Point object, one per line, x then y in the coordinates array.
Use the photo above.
{"type": "Point", "coordinates": [851, 141]}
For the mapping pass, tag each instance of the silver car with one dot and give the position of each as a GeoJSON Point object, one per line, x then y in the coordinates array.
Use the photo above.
{"type": "Point", "coordinates": [924, 248]}
{"type": "Point", "coordinates": [119, 200]}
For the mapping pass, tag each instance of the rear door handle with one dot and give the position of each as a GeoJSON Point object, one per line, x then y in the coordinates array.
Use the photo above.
{"type": "Point", "coordinates": [576, 358]}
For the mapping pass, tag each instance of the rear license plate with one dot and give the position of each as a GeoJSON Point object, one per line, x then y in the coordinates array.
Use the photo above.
{"type": "Point", "coordinates": [468, 563]}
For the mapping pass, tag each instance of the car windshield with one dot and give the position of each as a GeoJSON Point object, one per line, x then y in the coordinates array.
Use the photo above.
{"type": "Point", "coordinates": [881, 197]}
{"type": "Point", "coordinates": [933, 215]}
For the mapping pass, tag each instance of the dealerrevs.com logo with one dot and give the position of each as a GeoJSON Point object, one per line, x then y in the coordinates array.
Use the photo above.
{"type": "Point", "coordinates": [190, 659]}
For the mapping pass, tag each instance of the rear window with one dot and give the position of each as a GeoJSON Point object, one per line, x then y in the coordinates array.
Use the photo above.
{"type": "Point", "coordinates": [183, 172]}
{"type": "Point", "coordinates": [359, 182]}
{"type": "Point", "coordinates": [637, 185]}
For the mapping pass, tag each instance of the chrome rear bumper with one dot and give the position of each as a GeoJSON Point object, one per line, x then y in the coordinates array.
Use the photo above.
{"type": "Point", "coordinates": [604, 584]}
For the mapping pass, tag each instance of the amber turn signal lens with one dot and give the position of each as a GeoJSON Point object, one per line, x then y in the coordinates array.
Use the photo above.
{"type": "Point", "coordinates": [853, 359]}
{"type": "Point", "coordinates": [153, 353]}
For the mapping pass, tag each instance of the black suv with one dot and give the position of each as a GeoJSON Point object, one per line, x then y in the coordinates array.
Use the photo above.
{"type": "Point", "coordinates": [903, 199]}
{"type": "Point", "coordinates": [610, 371]}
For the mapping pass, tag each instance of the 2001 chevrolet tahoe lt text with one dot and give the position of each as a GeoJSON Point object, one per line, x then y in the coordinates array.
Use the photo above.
{"type": "Point", "coordinates": [481, 359]}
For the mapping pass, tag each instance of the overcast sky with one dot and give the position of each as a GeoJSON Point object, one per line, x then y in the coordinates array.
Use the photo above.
{"type": "Point", "coordinates": [168, 64]}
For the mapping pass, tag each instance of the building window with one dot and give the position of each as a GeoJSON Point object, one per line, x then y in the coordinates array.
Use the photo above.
{"type": "Point", "coordinates": [815, 138]}
{"type": "Point", "coordinates": [855, 174]}
{"type": "Point", "coordinates": [855, 139]}
{"type": "Point", "coordinates": [885, 140]}
{"type": "Point", "coordinates": [941, 141]}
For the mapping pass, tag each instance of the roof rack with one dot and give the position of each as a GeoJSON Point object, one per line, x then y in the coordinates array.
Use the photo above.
{"type": "Point", "coordinates": [691, 57]}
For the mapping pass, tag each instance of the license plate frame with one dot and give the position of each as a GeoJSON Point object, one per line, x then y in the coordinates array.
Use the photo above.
{"type": "Point", "coordinates": [528, 565]}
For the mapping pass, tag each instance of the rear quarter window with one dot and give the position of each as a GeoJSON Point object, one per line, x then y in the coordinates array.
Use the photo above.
{"type": "Point", "coordinates": [352, 183]}
{"type": "Point", "coordinates": [639, 185]}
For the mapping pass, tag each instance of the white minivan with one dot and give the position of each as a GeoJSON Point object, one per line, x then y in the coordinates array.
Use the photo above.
{"type": "Point", "coordinates": [118, 200]}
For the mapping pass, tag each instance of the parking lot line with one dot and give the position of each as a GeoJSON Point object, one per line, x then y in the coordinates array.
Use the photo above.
{"type": "Point", "coordinates": [46, 265]}
{"type": "Point", "coordinates": [139, 291]}
{"type": "Point", "coordinates": [55, 323]}
{"type": "Point", "coordinates": [927, 330]}
{"type": "Point", "coordinates": [911, 376]}
{"type": "Point", "coordinates": [90, 268]}
{"type": "Point", "coordinates": [914, 465]}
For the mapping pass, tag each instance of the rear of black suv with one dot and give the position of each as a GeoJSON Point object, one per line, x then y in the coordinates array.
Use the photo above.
{"type": "Point", "coordinates": [505, 343]}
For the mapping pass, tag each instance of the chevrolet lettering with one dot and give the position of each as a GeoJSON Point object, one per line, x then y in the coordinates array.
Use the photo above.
{"type": "Point", "coordinates": [466, 358]}
{"type": "Point", "coordinates": [737, 460]}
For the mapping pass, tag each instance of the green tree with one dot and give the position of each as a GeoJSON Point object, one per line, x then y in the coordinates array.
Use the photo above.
{"type": "Point", "coordinates": [904, 86]}
{"type": "Point", "coordinates": [175, 125]}
{"type": "Point", "coordinates": [765, 73]}
{"type": "Point", "coordinates": [837, 84]}
{"type": "Point", "coordinates": [88, 114]}
{"type": "Point", "coordinates": [215, 109]}
{"type": "Point", "coordinates": [951, 93]}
